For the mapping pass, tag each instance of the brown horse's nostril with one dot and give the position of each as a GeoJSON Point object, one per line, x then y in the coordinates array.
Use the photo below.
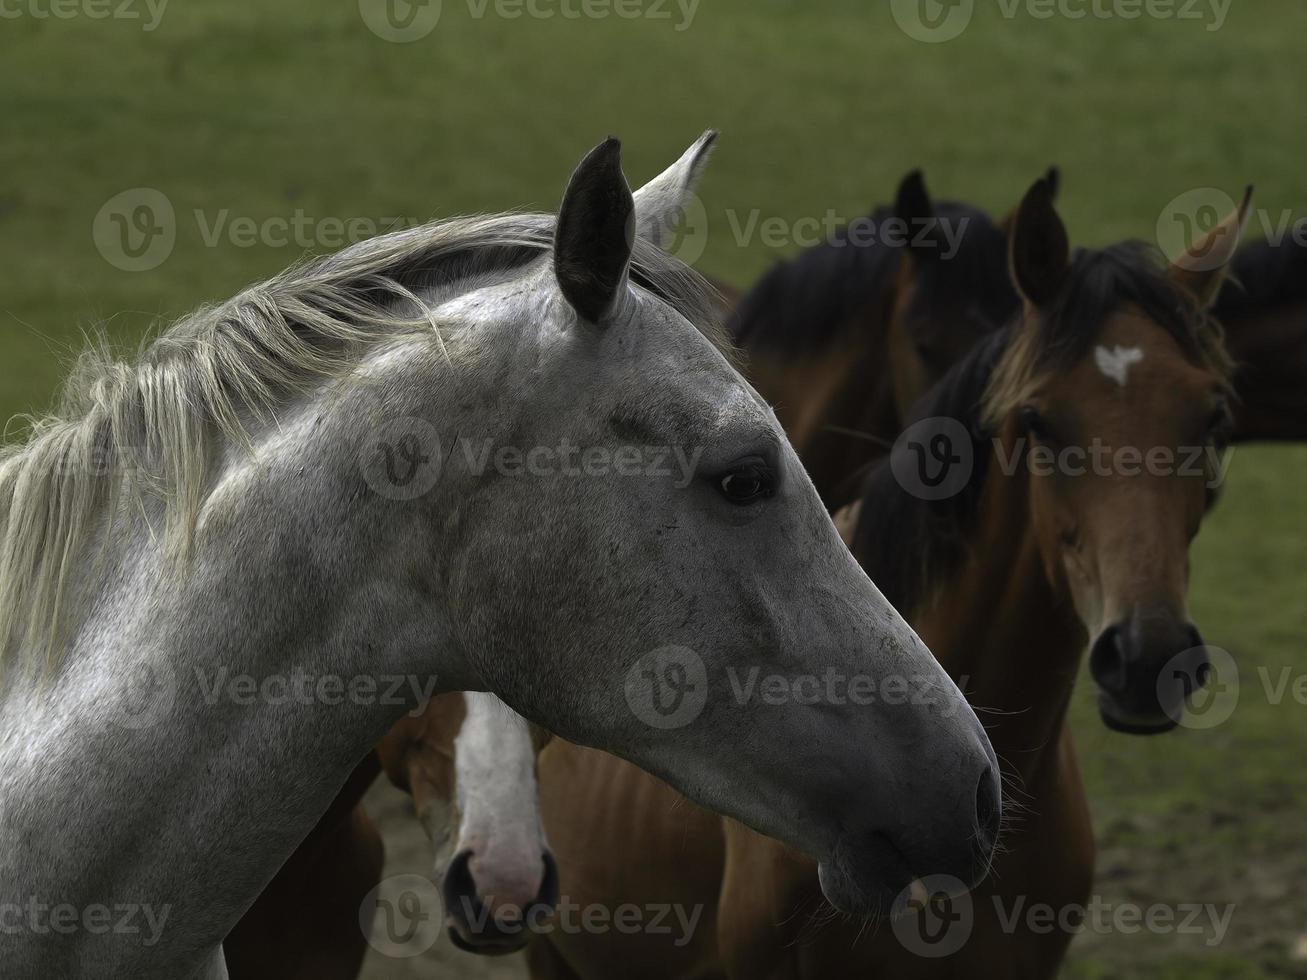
{"type": "Point", "coordinates": [548, 895]}
{"type": "Point", "coordinates": [1109, 661]}
{"type": "Point", "coordinates": [460, 891]}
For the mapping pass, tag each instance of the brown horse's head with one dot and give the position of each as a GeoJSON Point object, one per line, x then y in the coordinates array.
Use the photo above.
{"type": "Point", "coordinates": [469, 764]}
{"type": "Point", "coordinates": [1114, 392]}
{"type": "Point", "coordinates": [952, 288]}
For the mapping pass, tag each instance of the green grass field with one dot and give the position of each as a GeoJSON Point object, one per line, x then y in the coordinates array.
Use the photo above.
{"type": "Point", "coordinates": [262, 111]}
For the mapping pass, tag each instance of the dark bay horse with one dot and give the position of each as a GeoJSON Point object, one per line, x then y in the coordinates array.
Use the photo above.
{"type": "Point", "coordinates": [1011, 577]}
{"type": "Point", "coordinates": [919, 279]}
{"type": "Point", "coordinates": [1008, 579]}
{"type": "Point", "coordinates": [1264, 311]}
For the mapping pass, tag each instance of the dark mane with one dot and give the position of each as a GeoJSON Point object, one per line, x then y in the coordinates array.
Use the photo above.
{"type": "Point", "coordinates": [1263, 276]}
{"type": "Point", "coordinates": [805, 304]}
{"type": "Point", "coordinates": [907, 544]}
{"type": "Point", "coordinates": [1099, 283]}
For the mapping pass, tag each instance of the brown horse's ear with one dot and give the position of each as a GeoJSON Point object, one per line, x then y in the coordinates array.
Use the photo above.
{"type": "Point", "coordinates": [1039, 253]}
{"type": "Point", "coordinates": [595, 234]}
{"type": "Point", "coordinates": [1201, 269]}
{"type": "Point", "coordinates": [1053, 177]}
{"type": "Point", "coordinates": [913, 207]}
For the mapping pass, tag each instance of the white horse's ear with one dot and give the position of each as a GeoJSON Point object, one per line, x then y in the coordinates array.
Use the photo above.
{"type": "Point", "coordinates": [595, 234]}
{"type": "Point", "coordinates": [1201, 269]}
{"type": "Point", "coordinates": [660, 203]}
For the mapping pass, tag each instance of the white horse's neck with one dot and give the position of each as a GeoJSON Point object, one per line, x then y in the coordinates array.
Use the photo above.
{"type": "Point", "coordinates": [205, 720]}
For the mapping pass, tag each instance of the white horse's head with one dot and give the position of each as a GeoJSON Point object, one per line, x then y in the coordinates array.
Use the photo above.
{"type": "Point", "coordinates": [669, 588]}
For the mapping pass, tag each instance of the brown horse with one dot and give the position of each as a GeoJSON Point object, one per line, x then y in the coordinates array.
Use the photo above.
{"type": "Point", "coordinates": [306, 923]}
{"type": "Point", "coordinates": [918, 279]}
{"type": "Point", "coordinates": [1007, 579]}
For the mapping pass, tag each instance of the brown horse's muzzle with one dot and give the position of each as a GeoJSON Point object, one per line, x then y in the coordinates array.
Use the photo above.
{"type": "Point", "coordinates": [495, 925]}
{"type": "Point", "coordinates": [1146, 666]}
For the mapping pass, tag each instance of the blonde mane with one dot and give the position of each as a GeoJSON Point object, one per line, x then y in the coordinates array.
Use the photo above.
{"type": "Point", "coordinates": [125, 430]}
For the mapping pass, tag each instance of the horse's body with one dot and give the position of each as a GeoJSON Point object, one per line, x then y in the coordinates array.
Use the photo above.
{"type": "Point", "coordinates": [1007, 593]}
{"type": "Point", "coordinates": [226, 516]}
{"type": "Point", "coordinates": [305, 924]}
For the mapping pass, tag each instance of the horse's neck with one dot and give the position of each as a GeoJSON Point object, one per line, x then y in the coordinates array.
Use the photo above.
{"type": "Point", "coordinates": [192, 803]}
{"type": "Point", "coordinates": [836, 407]}
{"type": "Point", "coordinates": [1005, 635]}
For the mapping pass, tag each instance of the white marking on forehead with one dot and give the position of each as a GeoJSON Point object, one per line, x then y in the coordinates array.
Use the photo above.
{"type": "Point", "coordinates": [1115, 363]}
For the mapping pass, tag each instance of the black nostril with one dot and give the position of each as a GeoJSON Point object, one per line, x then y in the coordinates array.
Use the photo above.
{"type": "Point", "coordinates": [548, 894]}
{"type": "Point", "coordinates": [460, 891]}
{"type": "Point", "coordinates": [1201, 662]}
{"type": "Point", "coordinates": [988, 808]}
{"type": "Point", "coordinates": [1108, 661]}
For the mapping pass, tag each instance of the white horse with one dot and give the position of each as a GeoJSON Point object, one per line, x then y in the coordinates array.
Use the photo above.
{"type": "Point", "coordinates": [281, 517]}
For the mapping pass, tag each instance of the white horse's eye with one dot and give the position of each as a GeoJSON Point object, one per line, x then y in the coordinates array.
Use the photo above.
{"type": "Point", "coordinates": [747, 483]}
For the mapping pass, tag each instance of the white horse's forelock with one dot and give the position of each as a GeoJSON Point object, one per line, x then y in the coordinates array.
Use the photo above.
{"type": "Point", "coordinates": [125, 430]}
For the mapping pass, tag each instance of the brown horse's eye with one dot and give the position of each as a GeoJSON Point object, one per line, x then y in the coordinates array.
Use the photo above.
{"type": "Point", "coordinates": [1033, 423]}
{"type": "Point", "coordinates": [1219, 425]}
{"type": "Point", "coordinates": [746, 483]}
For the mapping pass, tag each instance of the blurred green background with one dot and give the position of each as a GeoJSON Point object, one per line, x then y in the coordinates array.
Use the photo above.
{"type": "Point", "coordinates": [262, 111]}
